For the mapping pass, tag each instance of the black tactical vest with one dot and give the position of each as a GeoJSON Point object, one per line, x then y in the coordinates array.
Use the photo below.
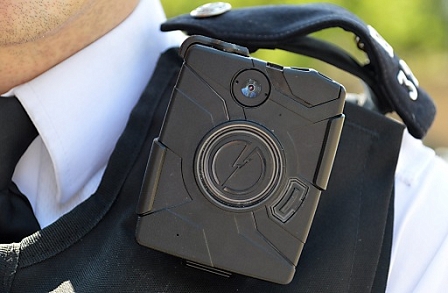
{"type": "Point", "coordinates": [93, 247]}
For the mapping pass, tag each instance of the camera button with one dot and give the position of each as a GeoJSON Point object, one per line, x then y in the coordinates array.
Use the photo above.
{"type": "Point", "coordinates": [291, 201]}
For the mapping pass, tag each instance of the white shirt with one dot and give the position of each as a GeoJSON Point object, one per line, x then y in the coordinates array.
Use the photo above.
{"type": "Point", "coordinates": [419, 260]}
{"type": "Point", "coordinates": [80, 108]}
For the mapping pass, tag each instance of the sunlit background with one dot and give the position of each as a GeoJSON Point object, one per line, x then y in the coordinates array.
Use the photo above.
{"type": "Point", "coordinates": [417, 29]}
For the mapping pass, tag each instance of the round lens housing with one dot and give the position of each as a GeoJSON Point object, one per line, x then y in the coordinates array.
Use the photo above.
{"type": "Point", "coordinates": [251, 88]}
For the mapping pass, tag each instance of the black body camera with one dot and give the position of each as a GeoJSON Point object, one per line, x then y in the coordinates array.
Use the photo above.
{"type": "Point", "coordinates": [234, 179]}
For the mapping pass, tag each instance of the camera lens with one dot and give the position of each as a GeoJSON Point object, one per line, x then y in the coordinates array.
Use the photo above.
{"type": "Point", "coordinates": [251, 89]}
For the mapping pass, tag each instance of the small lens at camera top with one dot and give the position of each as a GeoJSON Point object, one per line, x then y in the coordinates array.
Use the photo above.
{"type": "Point", "coordinates": [251, 88]}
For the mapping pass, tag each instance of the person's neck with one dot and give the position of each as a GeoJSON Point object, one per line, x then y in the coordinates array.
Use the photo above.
{"type": "Point", "coordinates": [23, 62]}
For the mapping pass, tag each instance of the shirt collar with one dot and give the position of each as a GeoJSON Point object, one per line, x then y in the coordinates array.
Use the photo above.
{"type": "Point", "coordinates": [80, 107]}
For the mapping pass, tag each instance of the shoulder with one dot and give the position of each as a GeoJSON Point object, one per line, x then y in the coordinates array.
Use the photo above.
{"type": "Point", "coordinates": [420, 242]}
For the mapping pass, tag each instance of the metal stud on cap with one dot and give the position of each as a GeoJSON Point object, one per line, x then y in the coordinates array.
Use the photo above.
{"type": "Point", "coordinates": [211, 9]}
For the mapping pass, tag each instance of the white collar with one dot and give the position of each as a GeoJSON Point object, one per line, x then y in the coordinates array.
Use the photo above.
{"type": "Point", "coordinates": [80, 108]}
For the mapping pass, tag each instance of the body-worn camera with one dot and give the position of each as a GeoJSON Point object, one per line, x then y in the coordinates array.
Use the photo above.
{"type": "Point", "coordinates": [234, 179]}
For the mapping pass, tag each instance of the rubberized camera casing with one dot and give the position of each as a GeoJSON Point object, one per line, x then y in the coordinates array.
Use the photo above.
{"type": "Point", "coordinates": [234, 179]}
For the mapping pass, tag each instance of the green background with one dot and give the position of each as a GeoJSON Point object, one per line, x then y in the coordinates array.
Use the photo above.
{"type": "Point", "coordinates": [416, 29]}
